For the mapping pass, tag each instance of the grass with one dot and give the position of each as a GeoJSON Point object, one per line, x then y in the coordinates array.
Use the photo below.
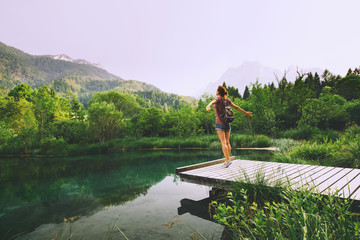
{"type": "Point", "coordinates": [59, 147]}
{"type": "Point", "coordinates": [343, 151]}
{"type": "Point", "coordinates": [255, 211]}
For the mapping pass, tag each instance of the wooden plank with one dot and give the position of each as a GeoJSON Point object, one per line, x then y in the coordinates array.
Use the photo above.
{"type": "Point", "coordinates": [356, 195]}
{"type": "Point", "coordinates": [352, 186]}
{"type": "Point", "coordinates": [323, 179]}
{"type": "Point", "coordinates": [313, 177]}
{"type": "Point", "coordinates": [281, 175]}
{"type": "Point", "coordinates": [257, 170]}
{"type": "Point", "coordinates": [294, 172]}
{"type": "Point", "coordinates": [298, 173]}
{"type": "Point", "coordinates": [219, 171]}
{"type": "Point", "coordinates": [262, 168]}
{"type": "Point", "coordinates": [200, 165]}
{"type": "Point", "coordinates": [342, 183]}
{"type": "Point", "coordinates": [324, 186]}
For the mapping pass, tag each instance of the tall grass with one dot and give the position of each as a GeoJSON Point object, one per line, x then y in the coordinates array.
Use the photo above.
{"type": "Point", "coordinates": [343, 151]}
{"type": "Point", "coordinates": [258, 212]}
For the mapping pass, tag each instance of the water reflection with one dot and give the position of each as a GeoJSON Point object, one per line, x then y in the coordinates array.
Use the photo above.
{"type": "Point", "coordinates": [37, 192]}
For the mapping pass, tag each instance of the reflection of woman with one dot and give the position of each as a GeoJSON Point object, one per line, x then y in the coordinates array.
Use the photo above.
{"type": "Point", "coordinates": [222, 129]}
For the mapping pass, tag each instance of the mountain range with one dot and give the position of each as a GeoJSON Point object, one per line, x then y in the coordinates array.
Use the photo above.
{"type": "Point", "coordinates": [251, 71]}
{"type": "Point", "coordinates": [61, 73]}
{"type": "Point", "coordinates": [83, 78]}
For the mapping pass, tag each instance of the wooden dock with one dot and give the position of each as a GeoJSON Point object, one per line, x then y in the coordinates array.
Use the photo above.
{"type": "Point", "coordinates": [322, 179]}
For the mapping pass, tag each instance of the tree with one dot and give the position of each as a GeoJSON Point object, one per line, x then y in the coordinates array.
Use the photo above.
{"type": "Point", "coordinates": [325, 112]}
{"type": "Point", "coordinates": [183, 121]}
{"type": "Point", "coordinates": [232, 91]}
{"type": "Point", "coordinates": [206, 120]}
{"type": "Point", "coordinates": [44, 108]}
{"type": "Point", "coordinates": [105, 120]}
{"type": "Point", "coordinates": [22, 91]}
{"type": "Point", "coordinates": [353, 109]}
{"type": "Point", "coordinates": [76, 109]}
{"type": "Point", "coordinates": [313, 83]}
{"type": "Point", "coordinates": [312, 113]}
{"type": "Point", "coordinates": [150, 122]}
{"type": "Point", "coordinates": [349, 72]}
{"type": "Point", "coordinates": [264, 119]}
{"type": "Point", "coordinates": [348, 87]}
{"type": "Point", "coordinates": [328, 79]}
{"type": "Point", "coordinates": [123, 102]}
{"type": "Point", "coordinates": [5, 132]}
{"type": "Point", "coordinates": [246, 93]}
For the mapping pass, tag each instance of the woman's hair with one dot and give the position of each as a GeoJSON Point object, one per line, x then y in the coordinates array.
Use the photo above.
{"type": "Point", "coordinates": [222, 91]}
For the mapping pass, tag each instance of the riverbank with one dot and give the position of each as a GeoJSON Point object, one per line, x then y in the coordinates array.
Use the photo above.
{"type": "Point", "coordinates": [202, 142]}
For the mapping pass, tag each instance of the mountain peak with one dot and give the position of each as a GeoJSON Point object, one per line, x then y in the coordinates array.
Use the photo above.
{"type": "Point", "coordinates": [251, 71]}
{"type": "Point", "coordinates": [66, 58]}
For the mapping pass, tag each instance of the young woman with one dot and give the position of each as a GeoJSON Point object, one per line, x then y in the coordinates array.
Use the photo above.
{"type": "Point", "coordinates": [222, 129]}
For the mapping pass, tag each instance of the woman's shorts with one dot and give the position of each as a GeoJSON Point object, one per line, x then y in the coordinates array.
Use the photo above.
{"type": "Point", "coordinates": [223, 127]}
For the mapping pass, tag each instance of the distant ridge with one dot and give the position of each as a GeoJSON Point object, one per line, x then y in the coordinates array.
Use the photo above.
{"type": "Point", "coordinates": [251, 71]}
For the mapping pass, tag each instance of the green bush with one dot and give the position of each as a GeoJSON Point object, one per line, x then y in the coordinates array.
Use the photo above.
{"type": "Point", "coordinates": [215, 145]}
{"type": "Point", "coordinates": [326, 135]}
{"type": "Point", "coordinates": [301, 133]}
{"type": "Point", "coordinates": [71, 131]}
{"type": "Point", "coordinates": [349, 154]}
{"type": "Point", "coordinates": [311, 152]}
{"type": "Point", "coordinates": [297, 214]}
{"type": "Point", "coordinates": [51, 145]}
{"type": "Point", "coordinates": [240, 140]}
{"type": "Point", "coordinates": [261, 141]}
{"type": "Point", "coordinates": [352, 131]}
{"type": "Point", "coordinates": [342, 152]}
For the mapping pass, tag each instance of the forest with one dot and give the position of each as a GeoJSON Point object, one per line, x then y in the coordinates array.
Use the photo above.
{"type": "Point", "coordinates": [32, 121]}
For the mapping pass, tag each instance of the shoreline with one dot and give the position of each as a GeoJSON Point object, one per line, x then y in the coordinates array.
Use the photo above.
{"type": "Point", "coordinates": [130, 149]}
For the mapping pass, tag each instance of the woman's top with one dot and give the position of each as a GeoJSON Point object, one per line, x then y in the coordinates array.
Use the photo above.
{"type": "Point", "coordinates": [220, 105]}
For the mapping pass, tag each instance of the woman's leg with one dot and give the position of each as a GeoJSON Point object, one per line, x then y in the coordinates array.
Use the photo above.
{"type": "Point", "coordinates": [222, 136]}
{"type": "Point", "coordinates": [227, 138]}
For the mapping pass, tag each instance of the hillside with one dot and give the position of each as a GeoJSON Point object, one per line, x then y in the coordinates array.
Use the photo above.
{"type": "Point", "coordinates": [59, 72]}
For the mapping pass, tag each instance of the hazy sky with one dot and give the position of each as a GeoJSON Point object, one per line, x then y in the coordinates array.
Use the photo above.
{"type": "Point", "coordinates": [180, 46]}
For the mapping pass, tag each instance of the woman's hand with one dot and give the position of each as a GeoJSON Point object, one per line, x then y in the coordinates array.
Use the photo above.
{"type": "Point", "coordinates": [249, 114]}
{"type": "Point", "coordinates": [207, 108]}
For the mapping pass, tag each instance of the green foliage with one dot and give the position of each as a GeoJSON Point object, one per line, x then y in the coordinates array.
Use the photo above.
{"type": "Point", "coordinates": [246, 94]}
{"type": "Point", "coordinates": [300, 133]}
{"type": "Point", "coordinates": [243, 141]}
{"type": "Point", "coordinates": [340, 152]}
{"type": "Point", "coordinates": [71, 131]}
{"type": "Point", "coordinates": [296, 214]}
{"type": "Point", "coordinates": [312, 152]}
{"type": "Point", "coordinates": [104, 120]}
{"type": "Point", "coordinates": [348, 87]}
{"type": "Point", "coordinates": [149, 122]}
{"type": "Point", "coordinates": [353, 109]}
{"type": "Point", "coordinates": [163, 100]}
{"type": "Point", "coordinates": [70, 108]}
{"type": "Point", "coordinates": [232, 91]}
{"type": "Point", "coordinates": [183, 122]}
{"type": "Point", "coordinates": [22, 91]}
{"type": "Point", "coordinates": [123, 102]}
{"type": "Point", "coordinates": [261, 103]}
{"type": "Point", "coordinates": [5, 132]}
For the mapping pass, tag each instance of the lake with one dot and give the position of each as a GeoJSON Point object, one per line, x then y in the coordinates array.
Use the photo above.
{"type": "Point", "coordinates": [106, 196]}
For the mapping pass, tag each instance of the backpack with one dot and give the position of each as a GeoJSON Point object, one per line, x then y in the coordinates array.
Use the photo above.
{"type": "Point", "coordinates": [227, 116]}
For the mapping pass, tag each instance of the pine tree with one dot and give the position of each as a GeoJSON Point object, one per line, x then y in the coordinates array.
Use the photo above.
{"type": "Point", "coordinates": [246, 93]}
{"type": "Point", "coordinates": [349, 72]}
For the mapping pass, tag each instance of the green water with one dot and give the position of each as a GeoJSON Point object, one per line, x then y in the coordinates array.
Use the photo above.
{"type": "Point", "coordinates": [91, 197]}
